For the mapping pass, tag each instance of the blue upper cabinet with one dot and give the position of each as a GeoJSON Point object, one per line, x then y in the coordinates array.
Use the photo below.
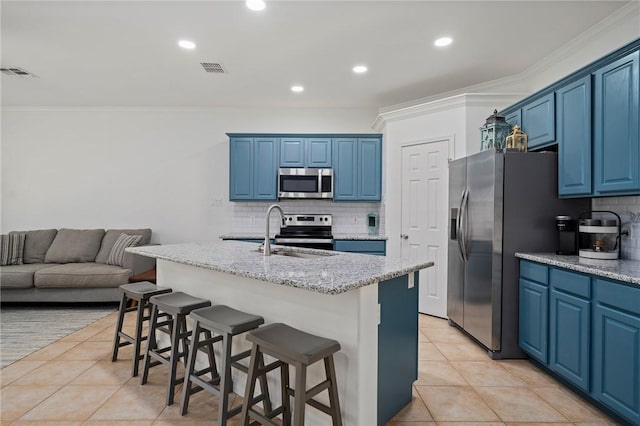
{"type": "Point", "coordinates": [573, 113]}
{"type": "Point", "coordinates": [616, 132]}
{"type": "Point", "coordinates": [369, 169]}
{"type": "Point", "coordinates": [357, 166]}
{"type": "Point", "coordinates": [538, 121]}
{"type": "Point", "coordinates": [318, 152]}
{"type": "Point", "coordinates": [345, 173]}
{"type": "Point", "coordinates": [291, 152]}
{"type": "Point", "coordinates": [253, 168]}
{"type": "Point", "coordinates": [514, 117]}
{"type": "Point", "coordinates": [305, 152]}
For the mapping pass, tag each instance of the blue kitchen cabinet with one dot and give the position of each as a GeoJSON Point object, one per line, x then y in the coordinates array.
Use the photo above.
{"type": "Point", "coordinates": [616, 345]}
{"type": "Point", "coordinates": [375, 247]}
{"type": "Point", "coordinates": [534, 310]}
{"type": "Point", "coordinates": [538, 121]}
{"type": "Point", "coordinates": [616, 133]}
{"type": "Point", "coordinates": [318, 152]}
{"type": "Point", "coordinates": [357, 164]}
{"type": "Point", "coordinates": [291, 152]}
{"type": "Point", "coordinates": [253, 167]}
{"type": "Point", "coordinates": [514, 117]}
{"type": "Point", "coordinates": [570, 326]}
{"type": "Point", "coordinates": [305, 152]}
{"type": "Point", "coordinates": [573, 114]}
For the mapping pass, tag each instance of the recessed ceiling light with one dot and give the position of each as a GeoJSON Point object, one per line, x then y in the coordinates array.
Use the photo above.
{"type": "Point", "coordinates": [443, 41]}
{"type": "Point", "coordinates": [255, 4]}
{"type": "Point", "coordinates": [360, 69]}
{"type": "Point", "coordinates": [297, 89]}
{"type": "Point", "coordinates": [186, 44]}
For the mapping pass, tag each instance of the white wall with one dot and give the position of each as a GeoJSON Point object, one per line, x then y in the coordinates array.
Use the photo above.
{"type": "Point", "coordinates": [164, 169]}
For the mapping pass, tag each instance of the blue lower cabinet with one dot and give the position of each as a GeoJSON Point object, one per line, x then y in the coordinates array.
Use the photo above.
{"type": "Point", "coordinates": [569, 343]}
{"type": "Point", "coordinates": [616, 346]}
{"type": "Point", "coordinates": [533, 319]}
{"type": "Point", "coordinates": [375, 247]}
{"type": "Point", "coordinates": [397, 345]}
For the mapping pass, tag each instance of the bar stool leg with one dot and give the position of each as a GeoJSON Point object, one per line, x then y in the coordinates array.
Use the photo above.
{"type": "Point", "coordinates": [151, 344]}
{"type": "Point", "coordinates": [299, 401]}
{"type": "Point", "coordinates": [173, 358]}
{"type": "Point", "coordinates": [225, 379]}
{"type": "Point", "coordinates": [116, 339]}
{"type": "Point", "coordinates": [251, 385]}
{"type": "Point", "coordinates": [186, 387]}
{"type": "Point", "coordinates": [284, 390]}
{"type": "Point", "coordinates": [330, 370]}
{"type": "Point", "coordinates": [138, 338]}
{"type": "Point", "coordinates": [264, 387]}
{"type": "Point", "coordinates": [213, 367]}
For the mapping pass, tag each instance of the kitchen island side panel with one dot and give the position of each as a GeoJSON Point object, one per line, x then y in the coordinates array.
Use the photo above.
{"type": "Point", "coordinates": [351, 318]}
{"type": "Point", "coordinates": [397, 344]}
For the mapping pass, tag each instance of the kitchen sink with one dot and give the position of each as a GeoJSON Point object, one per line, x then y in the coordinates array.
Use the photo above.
{"type": "Point", "coordinates": [298, 254]}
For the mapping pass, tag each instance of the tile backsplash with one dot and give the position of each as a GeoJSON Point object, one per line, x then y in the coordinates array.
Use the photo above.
{"type": "Point", "coordinates": [348, 218]}
{"type": "Point", "coordinates": [629, 210]}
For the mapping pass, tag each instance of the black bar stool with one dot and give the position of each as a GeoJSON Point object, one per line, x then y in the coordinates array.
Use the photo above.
{"type": "Point", "coordinates": [291, 347]}
{"type": "Point", "coordinates": [140, 292]}
{"type": "Point", "coordinates": [177, 305]}
{"type": "Point", "coordinates": [226, 322]}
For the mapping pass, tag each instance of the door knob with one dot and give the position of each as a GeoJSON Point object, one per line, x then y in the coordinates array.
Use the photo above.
{"type": "Point", "coordinates": [404, 236]}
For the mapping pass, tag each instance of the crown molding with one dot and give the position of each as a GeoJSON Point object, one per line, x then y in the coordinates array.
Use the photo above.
{"type": "Point", "coordinates": [493, 100]}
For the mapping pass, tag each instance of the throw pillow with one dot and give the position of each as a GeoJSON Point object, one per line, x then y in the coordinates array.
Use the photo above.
{"type": "Point", "coordinates": [116, 257]}
{"type": "Point", "coordinates": [12, 249]}
{"type": "Point", "coordinates": [74, 246]}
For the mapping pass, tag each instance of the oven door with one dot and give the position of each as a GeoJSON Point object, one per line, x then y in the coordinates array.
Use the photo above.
{"type": "Point", "coordinates": [314, 243]}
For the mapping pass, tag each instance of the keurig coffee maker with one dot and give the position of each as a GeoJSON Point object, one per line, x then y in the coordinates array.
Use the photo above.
{"type": "Point", "coordinates": [567, 235]}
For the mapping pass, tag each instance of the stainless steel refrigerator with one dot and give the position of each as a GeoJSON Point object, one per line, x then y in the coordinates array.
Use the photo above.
{"type": "Point", "coordinates": [499, 203]}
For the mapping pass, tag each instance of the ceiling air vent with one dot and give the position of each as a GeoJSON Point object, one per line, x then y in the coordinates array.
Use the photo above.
{"type": "Point", "coordinates": [213, 67]}
{"type": "Point", "coordinates": [17, 72]}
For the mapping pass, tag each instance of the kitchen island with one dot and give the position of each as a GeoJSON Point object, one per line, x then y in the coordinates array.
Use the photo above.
{"type": "Point", "coordinates": [367, 303]}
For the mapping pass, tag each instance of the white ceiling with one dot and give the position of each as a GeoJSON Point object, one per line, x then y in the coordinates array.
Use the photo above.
{"type": "Point", "coordinates": [124, 53]}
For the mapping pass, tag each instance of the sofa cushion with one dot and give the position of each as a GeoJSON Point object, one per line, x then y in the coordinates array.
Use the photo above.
{"type": "Point", "coordinates": [12, 249]}
{"type": "Point", "coordinates": [74, 246]}
{"type": "Point", "coordinates": [36, 244]}
{"type": "Point", "coordinates": [112, 235]}
{"type": "Point", "coordinates": [20, 276]}
{"type": "Point", "coordinates": [116, 257]}
{"type": "Point", "coordinates": [81, 275]}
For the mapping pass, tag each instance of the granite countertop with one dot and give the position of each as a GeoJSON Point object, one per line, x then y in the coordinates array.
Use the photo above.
{"type": "Point", "coordinates": [331, 272]}
{"type": "Point", "coordinates": [621, 270]}
{"type": "Point", "coordinates": [254, 236]}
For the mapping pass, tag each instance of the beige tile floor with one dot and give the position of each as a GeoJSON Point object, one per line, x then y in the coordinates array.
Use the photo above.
{"type": "Point", "coordinates": [74, 382]}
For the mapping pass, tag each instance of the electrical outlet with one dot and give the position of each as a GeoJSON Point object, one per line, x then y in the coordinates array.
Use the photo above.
{"type": "Point", "coordinates": [253, 220]}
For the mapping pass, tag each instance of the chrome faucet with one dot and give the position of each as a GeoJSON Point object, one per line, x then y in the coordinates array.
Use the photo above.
{"type": "Point", "coordinates": [267, 245]}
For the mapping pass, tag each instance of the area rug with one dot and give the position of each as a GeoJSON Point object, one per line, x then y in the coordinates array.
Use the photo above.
{"type": "Point", "coordinates": [25, 329]}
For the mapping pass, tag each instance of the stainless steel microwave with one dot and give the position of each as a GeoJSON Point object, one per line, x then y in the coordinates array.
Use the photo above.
{"type": "Point", "coordinates": [305, 183]}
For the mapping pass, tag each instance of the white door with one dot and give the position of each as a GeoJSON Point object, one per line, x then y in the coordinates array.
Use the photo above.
{"type": "Point", "coordinates": [425, 183]}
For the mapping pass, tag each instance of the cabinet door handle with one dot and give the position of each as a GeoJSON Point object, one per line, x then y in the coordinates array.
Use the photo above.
{"type": "Point", "coordinates": [404, 236]}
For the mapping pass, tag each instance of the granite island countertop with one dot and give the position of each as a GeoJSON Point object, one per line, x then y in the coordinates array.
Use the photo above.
{"type": "Point", "coordinates": [622, 270]}
{"type": "Point", "coordinates": [331, 272]}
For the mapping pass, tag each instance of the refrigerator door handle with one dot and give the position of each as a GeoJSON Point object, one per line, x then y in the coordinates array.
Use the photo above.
{"type": "Point", "coordinates": [459, 227]}
{"type": "Point", "coordinates": [462, 238]}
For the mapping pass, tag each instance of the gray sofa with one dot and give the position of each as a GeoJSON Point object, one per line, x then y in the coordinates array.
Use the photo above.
{"type": "Point", "coordinates": [72, 265]}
